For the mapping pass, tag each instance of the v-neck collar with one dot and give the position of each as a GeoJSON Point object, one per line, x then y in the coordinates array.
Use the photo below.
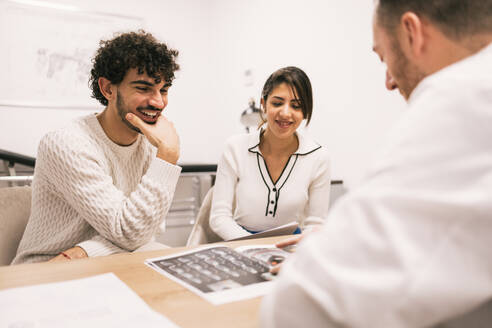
{"type": "Point", "coordinates": [306, 147]}
{"type": "Point", "coordinates": [284, 175]}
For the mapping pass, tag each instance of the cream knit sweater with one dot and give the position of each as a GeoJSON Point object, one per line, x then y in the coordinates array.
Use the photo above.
{"type": "Point", "coordinates": [90, 192]}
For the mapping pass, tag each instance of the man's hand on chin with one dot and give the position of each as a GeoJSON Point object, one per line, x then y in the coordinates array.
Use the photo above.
{"type": "Point", "coordinates": [161, 135]}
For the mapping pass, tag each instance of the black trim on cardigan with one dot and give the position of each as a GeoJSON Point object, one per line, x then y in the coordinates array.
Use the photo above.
{"type": "Point", "coordinates": [266, 184]}
{"type": "Point", "coordinates": [274, 183]}
{"type": "Point", "coordinates": [295, 161]}
{"type": "Point", "coordinates": [268, 171]}
{"type": "Point", "coordinates": [309, 152]}
{"type": "Point", "coordinates": [277, 190]}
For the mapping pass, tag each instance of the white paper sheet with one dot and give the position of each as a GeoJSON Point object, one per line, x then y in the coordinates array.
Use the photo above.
{"type": "Point", "coordinates": [98, 301]}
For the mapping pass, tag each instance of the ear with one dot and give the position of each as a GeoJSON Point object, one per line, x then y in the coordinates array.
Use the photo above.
{"type": "Point", "coordinates": [413, 33]}
{"type": "Point", "coordinates": [107, 88]}
{"type": "Point", "coordinates": [262, 102]}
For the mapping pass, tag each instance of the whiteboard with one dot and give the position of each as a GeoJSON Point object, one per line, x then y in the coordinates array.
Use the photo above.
{"type": "Point", "coordinates": [46, 52]}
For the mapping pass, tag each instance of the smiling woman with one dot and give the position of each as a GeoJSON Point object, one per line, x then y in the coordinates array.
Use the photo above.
{"type": "Point", "coordinates": [276, 175]}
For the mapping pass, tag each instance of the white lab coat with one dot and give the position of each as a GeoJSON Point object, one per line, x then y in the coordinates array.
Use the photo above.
{"type": "Point", "coordinates": [412, 245]}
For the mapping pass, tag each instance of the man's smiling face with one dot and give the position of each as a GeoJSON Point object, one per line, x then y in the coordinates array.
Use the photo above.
{"type": "Point", "coordinates": [141, 95]}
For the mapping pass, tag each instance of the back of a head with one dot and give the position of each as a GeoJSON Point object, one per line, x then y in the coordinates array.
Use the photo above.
{"type": "Point", "coordinates": [457, 19]}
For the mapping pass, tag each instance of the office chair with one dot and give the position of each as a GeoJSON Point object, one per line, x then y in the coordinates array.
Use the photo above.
{"type": "Point", "coordinates": [15, 208]}
{"type": "Point", "coordinates": [201, 232]}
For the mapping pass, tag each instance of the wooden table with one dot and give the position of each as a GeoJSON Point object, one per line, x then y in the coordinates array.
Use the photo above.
{"type": "Point", "coordinates": [180, 305]}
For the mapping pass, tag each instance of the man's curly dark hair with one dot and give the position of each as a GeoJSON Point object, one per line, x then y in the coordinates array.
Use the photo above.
{"type": "Point", "coordinates": [138, 50]}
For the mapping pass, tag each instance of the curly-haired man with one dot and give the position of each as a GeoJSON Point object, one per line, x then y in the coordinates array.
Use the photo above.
{"type": "Point", "coordinates": [104, 184]}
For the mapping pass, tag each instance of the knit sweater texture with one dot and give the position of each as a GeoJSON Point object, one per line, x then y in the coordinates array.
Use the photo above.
{"type": "Point", "coordinates": [90, 192]}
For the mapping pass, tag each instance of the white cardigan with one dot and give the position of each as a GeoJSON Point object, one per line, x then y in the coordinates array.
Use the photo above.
{"type": "Point", "coordinates": [410, 247]}
{"type": "Point", "coordinates": [243, 183]}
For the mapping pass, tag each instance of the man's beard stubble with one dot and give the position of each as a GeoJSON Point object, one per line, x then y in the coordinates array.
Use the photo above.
{"type": "Point", "coordinates": [406, 75]}
{"type": "Point", "coordinates": [123, 110]}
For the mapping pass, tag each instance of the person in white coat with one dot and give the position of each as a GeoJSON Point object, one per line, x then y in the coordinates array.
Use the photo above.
{"type": "Point", "coordinates": [410, 247]}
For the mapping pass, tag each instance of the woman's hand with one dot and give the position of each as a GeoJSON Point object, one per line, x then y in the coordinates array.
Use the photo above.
{"type": "Point", "coordinates": [292, 241]}
{"type": "Point", "coordinates": [289, 245]}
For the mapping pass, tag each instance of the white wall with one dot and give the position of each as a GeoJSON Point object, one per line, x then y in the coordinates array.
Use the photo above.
{"type": "Point", "coordinates": [219, 40]}
{"type": "Point", "coordinates": [184, 25]}
{"type": "Point", "coordinates": [332, 42]}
